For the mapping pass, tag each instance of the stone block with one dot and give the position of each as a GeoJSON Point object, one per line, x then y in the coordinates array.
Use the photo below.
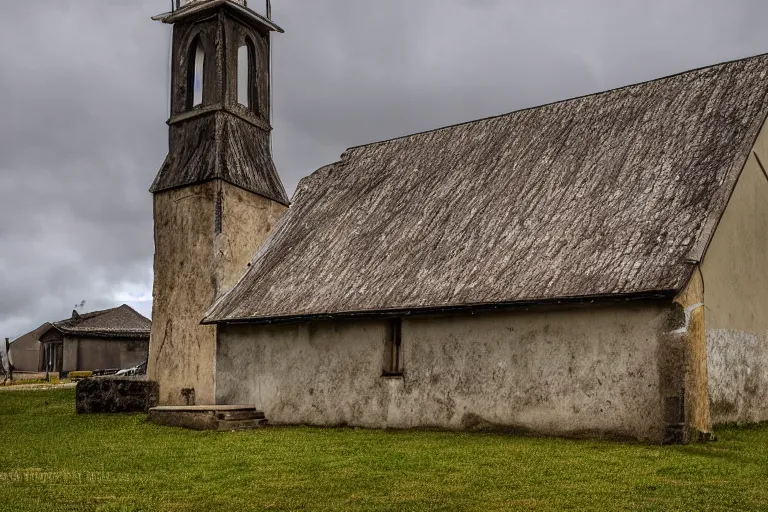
{"type": "Point", "coordinates": [100, 395]}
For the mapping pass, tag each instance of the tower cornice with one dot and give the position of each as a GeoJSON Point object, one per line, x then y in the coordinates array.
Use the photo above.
{"type": "Point", "coordinates": [201, 8]}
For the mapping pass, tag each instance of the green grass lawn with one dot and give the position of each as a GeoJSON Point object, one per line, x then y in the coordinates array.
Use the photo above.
{"type": "Point", "coordinates": [52, 459]}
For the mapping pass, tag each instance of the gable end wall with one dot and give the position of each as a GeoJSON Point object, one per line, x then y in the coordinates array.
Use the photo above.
{"type": "Point", "coordinates": [27, 354]}
{"type": "Point", "coordinates": [736, 297]}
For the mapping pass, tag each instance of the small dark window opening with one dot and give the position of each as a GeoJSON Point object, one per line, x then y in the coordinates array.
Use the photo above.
{"type": "Point", "coordinates": [392, 351]}
{"type": "Point", "coordinates": [218, 214]}
{"type": "Point", "coordinates": [195, 74]}
{"type": "Point", "coordinates": [189, 395]}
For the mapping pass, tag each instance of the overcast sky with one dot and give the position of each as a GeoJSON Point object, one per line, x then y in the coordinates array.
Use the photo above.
{"type": "Point", "coordinates": [83, 101]}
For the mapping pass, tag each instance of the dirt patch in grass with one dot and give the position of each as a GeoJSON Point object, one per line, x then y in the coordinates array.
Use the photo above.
{"type": "Point", "coordinates": [25, 385]}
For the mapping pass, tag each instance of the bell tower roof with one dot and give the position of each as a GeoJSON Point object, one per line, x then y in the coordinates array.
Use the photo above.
{"type": "Point", "coordinates": [192, 8]}
{"type": "Point", "coordinates": [220, 120]}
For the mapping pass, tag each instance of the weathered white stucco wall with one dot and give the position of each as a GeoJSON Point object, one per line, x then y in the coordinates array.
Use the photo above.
{"type": "Point", "coordinates": [194, 264]}
{"type": "Point", "coordinates": [565, 372]}
{"type": "Point", "coordinates": [736, 298]}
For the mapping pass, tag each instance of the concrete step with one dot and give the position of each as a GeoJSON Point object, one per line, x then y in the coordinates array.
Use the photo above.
{"type": "Point", "coordinates": [240, 415]}
{"type": "Point", "coordinates": [229, 425]}
{"type": "Point", "coordinates": [208, 417]}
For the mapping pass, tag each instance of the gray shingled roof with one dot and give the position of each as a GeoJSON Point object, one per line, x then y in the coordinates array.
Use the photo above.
{"type": "Point", "coordinates": [122, 321]}
{"type": "Point", "coordinates": [612, 194]}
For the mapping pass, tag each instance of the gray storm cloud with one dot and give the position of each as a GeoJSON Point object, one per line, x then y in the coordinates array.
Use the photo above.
{"type": "Point", "coordinates": [83, 100]}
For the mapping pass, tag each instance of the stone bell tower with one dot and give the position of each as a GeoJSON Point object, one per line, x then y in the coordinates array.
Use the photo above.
{"type": "Point", "coordinates": [218, 194]}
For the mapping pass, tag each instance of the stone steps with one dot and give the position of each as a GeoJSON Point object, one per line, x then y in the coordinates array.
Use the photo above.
{"type": "Point", "coordinates": [208, 417]}
{"type": "Point", "coordinates": [229, 425]}
{"type": "Point", "coordinates": [240, 415]}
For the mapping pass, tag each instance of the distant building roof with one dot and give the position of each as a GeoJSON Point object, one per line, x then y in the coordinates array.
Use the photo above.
{"type": "Point", "coordinates": [119, 322]}
{"type": "Point", "coordinates": [606, 195]}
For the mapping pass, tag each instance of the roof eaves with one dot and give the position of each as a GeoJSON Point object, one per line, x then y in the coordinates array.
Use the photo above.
{"type": "Point", "coordinates": [154, 189]}
{"type": "Point", "coordinates": [644, 296]}
{"type": "Point", "coordinates": [107, 333]}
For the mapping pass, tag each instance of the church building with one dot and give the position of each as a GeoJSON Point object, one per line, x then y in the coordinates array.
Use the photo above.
{"type": "Point", "coordinates": [590, 267]}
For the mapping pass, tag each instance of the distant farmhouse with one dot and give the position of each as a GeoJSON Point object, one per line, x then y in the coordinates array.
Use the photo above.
{"type": "Point", "coordinates": [108, 339]}
{"type": "Point", "coordinates": [591, 267]}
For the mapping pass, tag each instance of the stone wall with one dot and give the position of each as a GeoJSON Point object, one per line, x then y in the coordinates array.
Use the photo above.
{"type": "Point", "coordinates": [587, 371]}
{"type": "Point", "coordinates": [109, 394]}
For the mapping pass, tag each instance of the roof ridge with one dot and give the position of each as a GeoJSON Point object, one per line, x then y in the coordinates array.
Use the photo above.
{"type": "Point", "coordinates": [84, 316]}
{"type": "Point", "coordinates": [542, 105]}
{"type": "Point", "coordinates": [94, 314]}
{"type": "Point", "coordinates": [97, 313]}
{"type": "Point", "coordinates": [132, 310]}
